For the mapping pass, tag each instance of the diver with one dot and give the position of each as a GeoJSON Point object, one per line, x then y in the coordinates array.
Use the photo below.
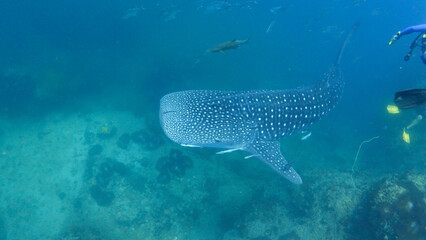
{"type": "Point", "coordinates": [419, 41]}
{"type": "Point", "coordinates": [410, 99]}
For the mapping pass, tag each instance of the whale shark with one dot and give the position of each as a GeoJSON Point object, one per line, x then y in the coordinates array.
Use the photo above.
{"type": "Point", "coordinates": [252, 121]}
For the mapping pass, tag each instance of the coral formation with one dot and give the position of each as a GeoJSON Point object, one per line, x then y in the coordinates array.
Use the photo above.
{"type": "Point", "coordinates": [393, 209]}
{"type": "Point", "coordinates": [123, 141]}
{"type": "Point", "coordinates": [95, 150]}
{"type": "Point", "coordinates": [102, 197]}
{"type": "Point", "coordinates": [147, 140]}
{"type": "Point", "coordinates": [173, 165]}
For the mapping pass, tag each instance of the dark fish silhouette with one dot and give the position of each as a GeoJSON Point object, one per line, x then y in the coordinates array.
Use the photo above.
{"type": "Point", "coordinates": [234, 44]}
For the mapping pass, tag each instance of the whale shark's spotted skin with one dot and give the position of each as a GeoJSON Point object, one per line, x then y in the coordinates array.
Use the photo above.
{"type": "Point", "coordinates": [249, 120]}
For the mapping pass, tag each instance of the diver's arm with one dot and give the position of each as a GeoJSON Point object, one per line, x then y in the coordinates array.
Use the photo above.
{"type": "Point", "coordinates": [418, 28]}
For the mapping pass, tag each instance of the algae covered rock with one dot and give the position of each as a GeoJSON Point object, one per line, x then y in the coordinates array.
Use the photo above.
{"type": "Point", "coordinates": [147, 139]}
{"type": "Point", "coordinates": [102, 197]}
{"type": "Point", "coordinates": [173, 165]}
{"type": "Point", "coordinates": [393, 209]}
{"type": "Point", "coordinates": [123, 141]}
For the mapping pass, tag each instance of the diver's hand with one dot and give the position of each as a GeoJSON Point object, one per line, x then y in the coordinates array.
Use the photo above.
{"type": "Point", "coordinates": [395, 37]}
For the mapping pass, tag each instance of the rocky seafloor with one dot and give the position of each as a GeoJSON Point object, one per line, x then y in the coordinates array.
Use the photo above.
{"type": "Point", "coordinates": [114, 175]}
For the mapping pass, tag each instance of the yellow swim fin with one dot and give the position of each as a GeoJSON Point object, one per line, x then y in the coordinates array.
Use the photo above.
{"type": "Point", "coordinates": [392, 109]}
{"type": "Point", "coordinates": [406, 137]}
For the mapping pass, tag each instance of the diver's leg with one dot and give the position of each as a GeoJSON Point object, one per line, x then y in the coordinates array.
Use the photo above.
{"type": "Point", "coordinates": [415, 121]}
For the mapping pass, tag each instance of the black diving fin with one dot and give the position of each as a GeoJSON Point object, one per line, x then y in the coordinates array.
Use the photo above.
{"type": "Point", "coordinates": [410, 98]}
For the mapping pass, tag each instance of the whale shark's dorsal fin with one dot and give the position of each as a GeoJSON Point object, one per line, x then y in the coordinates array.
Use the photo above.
{"type": "Point", "coordinates": [269, 152]}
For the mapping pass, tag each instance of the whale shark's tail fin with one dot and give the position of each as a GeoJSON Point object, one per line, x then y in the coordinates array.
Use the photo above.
{"type": "Point", "coordinates": [347, 39]}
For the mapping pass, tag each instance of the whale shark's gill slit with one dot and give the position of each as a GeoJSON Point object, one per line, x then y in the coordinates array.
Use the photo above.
{"type": "Point", "coordinates": [166, 112]}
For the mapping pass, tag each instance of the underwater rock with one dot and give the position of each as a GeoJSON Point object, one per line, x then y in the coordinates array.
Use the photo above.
{"type": "Point", "coordinates": [175, 164]}
{"type": "Point", "coordinates": [300, 202]}
{"type": "Point", "coordinates": [18, 94]}
{"type": "Point", "coordinates": [101, 197]}
{"type": "Point", "coordinates": [123, 141]}
{"type": "Point", "coordinates": [107, 170]}
{"type": "Point", "coordinates": [95, 150]}
{"type": "Point", "coordinates": [106, 132]}
{"type": "Point", "coordinates": [110, 168]}
{"type": "Point", "coordinates": [147, 140]}
{"type": "Point", "coordinates": [163, 178]}
{"type": "Point", "coordinates": [136, 181]}
{"type": "Point", "coordinates": [393, 209]}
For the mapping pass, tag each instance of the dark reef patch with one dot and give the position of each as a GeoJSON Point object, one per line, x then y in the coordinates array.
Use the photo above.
{"type": "Point", "coordinates": [173, 165]}
{"type": "Point", "coordinates": [300, 202]}
{"type": "Point", "coordinates": [393, 209]}
{"type": "Point", "coordinates": [107, 171]}
{"type": "Point", "coordinates": [123, 141]}
{"type": "Point", "coordinates": [95, 150]}
{"type": "Point", "coordinates": [147, 140]}
{"type": "Point", "coordinates": [103, 198]}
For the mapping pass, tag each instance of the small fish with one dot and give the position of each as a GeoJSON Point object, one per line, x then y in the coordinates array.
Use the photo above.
{"type": "Point", "coordinates": [270, 26]}
{"type": "Point", "coordinates": [233, 44]}
{"type": "Point", "coordinates": [215, 6]}
{"type": "Point", "coordinates": [247, 4]}
{"type": "Point", "coordinates": [357, 3]}
{"type": "Point", "coordinates": [306, 136]}
{"type": "Point", "coordinates": [276, 10]}
{"type": "Point", "coordinates": [132, 12]}
{"type": "Point", "coordinates": [169, 13]}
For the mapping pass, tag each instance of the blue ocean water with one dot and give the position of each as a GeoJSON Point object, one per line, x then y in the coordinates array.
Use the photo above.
{"type": "Point", "coordinates": [83, 156]}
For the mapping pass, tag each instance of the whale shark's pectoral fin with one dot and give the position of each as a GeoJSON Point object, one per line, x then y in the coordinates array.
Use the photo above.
{"type": "Point", "coordinates": [269, 152]}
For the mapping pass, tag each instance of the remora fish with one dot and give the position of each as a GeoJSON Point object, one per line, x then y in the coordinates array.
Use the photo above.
{"type": "Point", "coordinates": [234, 44]}
{"type": "Point", "coordinates": [251, 121]}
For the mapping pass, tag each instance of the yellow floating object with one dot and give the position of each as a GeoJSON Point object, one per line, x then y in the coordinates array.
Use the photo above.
{"type": "Point", "coordinates": [392, 109]}
{"type": "Point", "coordinates": [104, 129]}
{"type": "Point", "coordinates": [406, 137]}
